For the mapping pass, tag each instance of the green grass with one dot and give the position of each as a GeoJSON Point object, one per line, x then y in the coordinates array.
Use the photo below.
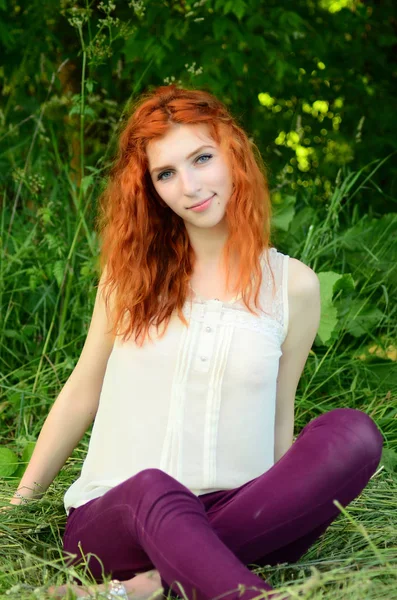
{"type": "Point", "coordinates": [355, 558]}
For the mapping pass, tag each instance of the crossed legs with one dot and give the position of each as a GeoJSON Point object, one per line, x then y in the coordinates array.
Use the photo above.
{"type": "Point", "coordinates": [153, 521]}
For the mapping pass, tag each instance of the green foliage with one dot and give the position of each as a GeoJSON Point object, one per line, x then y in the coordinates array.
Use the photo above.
{"type": "Point", "coordinates": [315, 87]}
{"type": "Point", "coordinates": [8, 462]}
{"type": "Point", "coordinates": [328, 310]}
{"type": "Point", "coordinates": [389, 459]}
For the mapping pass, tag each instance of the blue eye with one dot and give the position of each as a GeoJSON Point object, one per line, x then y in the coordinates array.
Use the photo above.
{"type": "Point", "coordinates": [160, 176]}
{"type": "Point", "coordinates": [205, 155]}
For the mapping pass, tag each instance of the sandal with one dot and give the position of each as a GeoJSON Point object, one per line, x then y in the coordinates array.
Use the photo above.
{"type": "Point", "coordinates": [116, 590]}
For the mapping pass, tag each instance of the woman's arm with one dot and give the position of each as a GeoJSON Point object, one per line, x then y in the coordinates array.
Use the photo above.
{"type": "Point", "coordinates": [74, 409]}
{"type": "Point", "coordinates": [304, 319]}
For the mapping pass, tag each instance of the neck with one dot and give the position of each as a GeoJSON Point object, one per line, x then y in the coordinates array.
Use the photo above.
{"type": "Point", "coordinates": [208, 244]}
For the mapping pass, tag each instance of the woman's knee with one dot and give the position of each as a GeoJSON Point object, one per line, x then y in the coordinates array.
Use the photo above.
{"type": "Point", "coordinates": [355, 424]}
{"type": "Point", "coordinates": [146, 480]}
{"type": "Point", "coordinates": [155, 480]}
{"type": "Point", "coordinates": [150, 476]}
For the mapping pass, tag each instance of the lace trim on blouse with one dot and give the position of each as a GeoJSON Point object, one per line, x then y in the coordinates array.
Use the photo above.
{"type": "Point", "coordinates": [269, 320]}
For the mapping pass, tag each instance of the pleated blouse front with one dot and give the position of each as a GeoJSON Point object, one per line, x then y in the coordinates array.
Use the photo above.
{"type": "Point", "coordinates": [198, 403]}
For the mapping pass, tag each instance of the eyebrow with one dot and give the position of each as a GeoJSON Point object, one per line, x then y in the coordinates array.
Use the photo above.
{"type": "Point", "coordinates": [188, 156]}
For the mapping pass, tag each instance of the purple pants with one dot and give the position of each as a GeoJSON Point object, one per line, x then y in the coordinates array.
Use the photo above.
{"type": "Point", "coordinates": [151, 521]}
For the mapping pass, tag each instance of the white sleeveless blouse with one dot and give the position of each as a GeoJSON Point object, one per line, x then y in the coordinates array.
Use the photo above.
{"type": "Point", "coordinates": [198, 403]}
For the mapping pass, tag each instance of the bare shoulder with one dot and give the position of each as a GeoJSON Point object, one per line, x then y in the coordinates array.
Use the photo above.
{"type": "Point", "coordinates": [302, 280]}
{"type": "Point", "coordinates": [304, 305]}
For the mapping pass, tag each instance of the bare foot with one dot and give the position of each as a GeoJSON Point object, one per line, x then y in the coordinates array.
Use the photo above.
{"type": "Point", "coordinates": [145, 585]}
{"type": "Point", "coordinates": [141, 587]}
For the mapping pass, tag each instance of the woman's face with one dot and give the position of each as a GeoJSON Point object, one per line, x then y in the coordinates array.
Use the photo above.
{"type": "Point", "coordinates": [186, 167]}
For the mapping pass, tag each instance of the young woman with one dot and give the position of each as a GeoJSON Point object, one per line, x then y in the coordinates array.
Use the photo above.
{"type": "Point", "coordinates": [199, 335]}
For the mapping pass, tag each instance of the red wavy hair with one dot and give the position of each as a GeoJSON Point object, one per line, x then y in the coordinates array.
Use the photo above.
{"type": "Point", "coordinates": [146, 256]}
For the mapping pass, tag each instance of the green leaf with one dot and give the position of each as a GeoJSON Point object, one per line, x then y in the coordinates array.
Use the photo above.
{"type": "Point", "coordinates": [76, 101]}
{"type": "Point", "coordinates": [25, 458]}
{"type": "Point", "coordinates": [239, 8]}
{"type": "Point", "coordinates": [227, 6]}
{"type": "Point", "coordinates": [90, 85]}
{"type": "Point", "coordinates": [8, 462]}
{"type": "Point", "coordinates": [219, 4]}
{"type": "Point", "coordinates": [329, 313]}
{"type": "Point", "coordinates": [89, 112]}
{"type": "Point", "coordinates": [86, 182]}
{"type": "Point", "coordinates": [58, 271]}
{"type": "Point", "coordinates": [284, 213]}
{"type": "Point", "coordinates": [389, 460]}
{"type": "Point", "coordinates": [345, 283]}
{"type": "Point", "coordinates": [27, 452]}
{"type": "Point", "coordinates": [11, 333]}
{"type": "Point", "coordinates": [219, 28]}
{"type": "Point", "coordinates": [361, 318]}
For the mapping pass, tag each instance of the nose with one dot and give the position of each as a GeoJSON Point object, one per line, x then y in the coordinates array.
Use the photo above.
{"type": "Point", "coordinates": [190, 182]}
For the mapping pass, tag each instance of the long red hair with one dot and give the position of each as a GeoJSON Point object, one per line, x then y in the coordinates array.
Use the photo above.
{"type": "Point", "coordinates": [145, 247]}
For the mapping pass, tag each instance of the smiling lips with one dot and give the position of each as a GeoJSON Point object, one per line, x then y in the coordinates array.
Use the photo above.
{"type": "Point", "coordinates": [202, 202]}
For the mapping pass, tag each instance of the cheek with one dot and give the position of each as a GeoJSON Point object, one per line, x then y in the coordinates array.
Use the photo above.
{"type": "Point", "coordinates": [223, 176]}
{"type": "Point", "coordinates": [165, 193]}
{"type": "Point", "coordinates": [171, 199]}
